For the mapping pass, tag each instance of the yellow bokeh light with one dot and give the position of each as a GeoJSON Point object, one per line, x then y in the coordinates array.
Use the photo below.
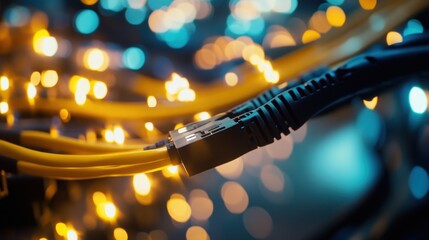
{"type": "Point", "coordinates": [107, 211]}
{"type": "Point", "coordinates": [151, 101]}
{"type": "Point", "coordinates": [4, 107]}
{"type": "Point", "coordinates": [231, 79]}
{"type": "Point", "coordinates": [49, 78]}
{"type": "Point", "coordinates": [178, 208]}
{"type": "Point", "coordinates": [176, 84]}
{"type": "Point", "coordinates": [202, 116]}
{"type": "Point", "coordinates": [253, 50]}
{"type": "Point", "coordinates": [98, 198]}
{"type": "Point", "coordinates": [61, 229]}
{"type": "Point", "coordinates": [368, 4]}
{"type": "Point", "coordinates": [120, 234]}
{"type": "Point", "coordinates": [310, 36]}
{"type": "Point", "coordinates": [64, 115]}
{"type": "Point", "coordinates": [48, 46]}
{"type": "Point", "coordinates": [393, 37]}
{"type": "Point", "coordinates": [119, 134]}
{"type": "Point", "coordinates": [197, 233]}
{"type": "Point", "coordinates": [149, 126]}
{"type": "Point", "coordinates": [170, 171]}
{"type": "Point", "coordinates": [186, 95]}
{"type": "Point", "coordinates": [96, 59]}
{"type": "Point", "coordinates": [142, 184]}
{"type": "Point", "coordinates": [89, 2]}
{"type": "Point", "coordinates": [43, 238]}
{"type": "Point", "coordinates": [37, 40]}
{"type": "Point", "coordinates": [80, 98]}
{"type": "Point", "coordinates": [31, 91]}
{"type": "Point", "coordinates": [99, 90]}
{"type": "Point", "coordinates": [336, 16]}
{"type": "Point", "coordinates": [173, 169]}
{"type": "Point", "coordinates": [371, 104]}
{"type": "Point", "coordinates": [272, 76]}
{"type": "Point", "coordinates": [71, 235]}
{"type": "Point", "coordinates": [4, 83]}
{"type": "Point", "coordinates": [10, 119]}
{"type": "Point", "coordinates": [35, 78]}
{"type": "Point", "coordinates": [83, 86]}
{"type": "Point", "coordinates": [109, 136]}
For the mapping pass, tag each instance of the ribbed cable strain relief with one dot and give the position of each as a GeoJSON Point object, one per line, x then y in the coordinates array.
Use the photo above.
{"type": "Point", "coordinates": [266, 123]}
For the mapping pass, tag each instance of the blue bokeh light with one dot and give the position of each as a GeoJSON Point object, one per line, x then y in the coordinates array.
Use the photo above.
{"type": "Point", "coordinates": [135, 16]}
{"type": "Point", "coordinates": [414, 26]}
{"type": "Point", "coordinates": [370, 125]}
{"type": "Point", "coordinates": [237, 27]}
{"type": "Point", "coordinates": [418, 182]}
{"type": "Point", "coordinates": [112, 5]}
{"type": "Point", "coordinates": [343, 162]}
{"type": "Point", "coordinates": [418, 100]}
{"type": "Point", "coordinates": [16, 16]}
{"type": "Point", "coordinates": [133, 58]}
{"type": "Point", "coordinates": [157, 4]}
{"type": "Point", "coordinates": [86, 21]}
{"type": "Point", "coordinates": [177, 38]}
{"type": "Point", "coordinates": [335, 2]}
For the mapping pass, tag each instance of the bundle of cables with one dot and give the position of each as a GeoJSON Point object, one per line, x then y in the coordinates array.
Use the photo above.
{"type": "Point", "coordinates": [203, 145]}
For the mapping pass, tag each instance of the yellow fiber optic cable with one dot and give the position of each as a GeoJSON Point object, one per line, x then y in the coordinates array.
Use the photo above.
{"type": "Point", "coordinates": [66, 160]}
{"type": "Point", "coordinates": [70, 145]}
{"type": "Point", "coordinates": [90, 172]}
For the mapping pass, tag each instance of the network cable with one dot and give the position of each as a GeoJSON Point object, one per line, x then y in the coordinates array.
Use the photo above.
{"type": "Point", "coordinates": [207, 144]}
{"type": "Point", "coordinates": [221, 140]}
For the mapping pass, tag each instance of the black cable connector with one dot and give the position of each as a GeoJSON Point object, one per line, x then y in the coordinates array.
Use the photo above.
{"type": "Point", "coordinates": [204, 145]}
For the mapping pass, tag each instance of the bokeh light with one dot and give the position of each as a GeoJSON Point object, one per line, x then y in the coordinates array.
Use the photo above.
{"type": "Point", "coordinates": [49, 78]}
{"type": "Point", "coordinates": [336, 16]}
{"type": "Point", "coordinates": [258, 222]}
{"type": "Point", "coordinates": [142, 184]}
{"type": "Point", "coordinates": [197, 233]}
{"type": "Point", "coordinates": [393, 37]}
{"type": "Point", "coordinates": [418, 182]}
{"type": "Point", "coordinates": [232, 169]}
{"type": "Point", "coordinates": [96, 59]}
{"type": "Point", "coordinates": [418, 100]}
{"type": "Point", "coordinates": [4, 83]}
{"type": "Point", "coordinates": [86, 21]}
{"type": "Point", "coordinates": [201, 205]}
{"type": "Point", "coordinates": [133, 58]}
{"type": "Point", "coordinates": [235, 197]}
{"type": "Point", "coordinates": [368, 4]}
{"type": "Point", "coordinates": [272, 178]}
{"type": "Point", "coordinates": [371, 104]}
{"type": "Point", "coordinates": [178, 208]}
{"type": "Point", "coordinates": [120, 234]}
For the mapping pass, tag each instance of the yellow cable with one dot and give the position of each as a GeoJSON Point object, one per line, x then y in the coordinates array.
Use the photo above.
{"type": "Point", "coordinates": [65, 160]}
{"type": "Point", "coordinates": [90, 172]}
{"type": "Point", "coordinates": [70, 145]}
{"type": "Point", "coordinates": [354, 37]}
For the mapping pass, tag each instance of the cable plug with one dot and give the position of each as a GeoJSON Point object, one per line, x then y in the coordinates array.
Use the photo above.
{"type": "Point", "coordinates": [209, 145]}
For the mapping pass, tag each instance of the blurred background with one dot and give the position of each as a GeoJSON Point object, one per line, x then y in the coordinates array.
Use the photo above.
{"type": "Point", "coordinates": [359, 172]}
